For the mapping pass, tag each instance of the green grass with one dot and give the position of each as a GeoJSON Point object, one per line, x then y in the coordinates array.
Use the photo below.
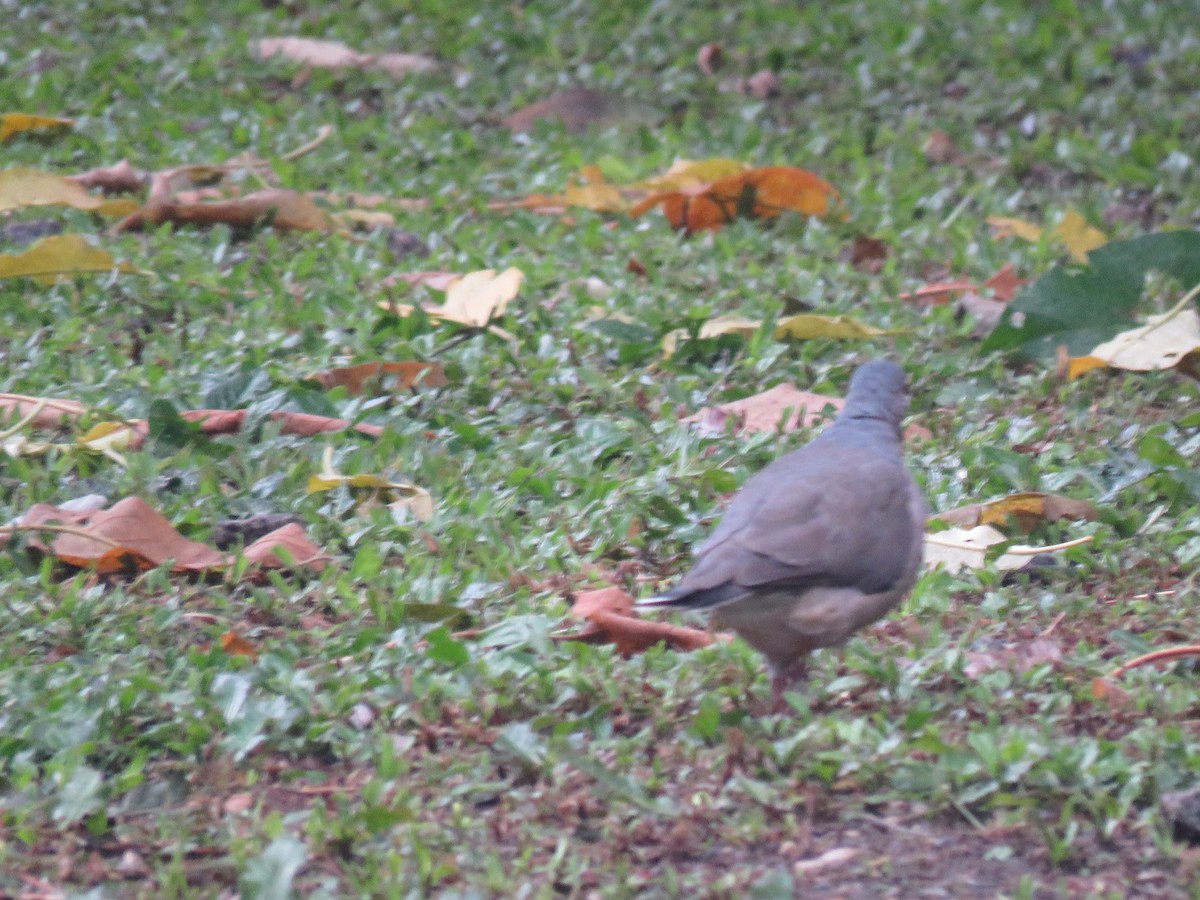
{"type": "Point", "coordinates": [393, 759]}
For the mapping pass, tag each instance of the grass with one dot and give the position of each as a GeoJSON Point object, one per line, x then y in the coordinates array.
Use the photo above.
{"type": "Point", "coordinates": [367, 751]}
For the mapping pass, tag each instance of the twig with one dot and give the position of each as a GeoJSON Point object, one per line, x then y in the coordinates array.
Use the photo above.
{"type": "Point", "coordinates": [323, 134]}
{"type": "Point", "coordinates": [37, 408]}
{"type": "Point", "coordinates": [1050, 628]}
{"type": "Point", "coordinates": [1164, 655]}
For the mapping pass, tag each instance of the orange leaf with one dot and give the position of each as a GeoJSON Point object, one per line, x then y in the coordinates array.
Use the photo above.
{"type": "Point", "coordinates": [236, 645]}
{"type": "Point", "coordinates": [283, 209]}
{"type": "Point", "coordinates": [610, 616]}
{"type": "Point", "coordinates": [399, 376]}
{"type": "Point", "coordinates": [764, 412]}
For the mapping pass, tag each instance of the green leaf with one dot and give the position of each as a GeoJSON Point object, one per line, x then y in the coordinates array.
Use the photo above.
{"type": "Point", "coordinates": [269, 876]}
{"type": "Point", "coordinates": [174, 432]}
{"type": "Point", "coordinates": [1082, 309]}
{"type": "Point", "coordinates": [445, 649]}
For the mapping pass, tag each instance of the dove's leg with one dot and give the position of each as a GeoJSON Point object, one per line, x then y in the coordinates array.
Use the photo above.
{"type": "Point", "coordinates": [783, 678]}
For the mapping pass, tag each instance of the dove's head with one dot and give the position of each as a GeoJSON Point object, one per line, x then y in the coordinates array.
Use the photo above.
{"type": "Point", "coordinates": [878, 390]}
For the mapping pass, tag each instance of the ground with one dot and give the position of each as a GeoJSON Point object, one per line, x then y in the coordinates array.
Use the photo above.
{"type": "Point", "coordinates": [407, 721]}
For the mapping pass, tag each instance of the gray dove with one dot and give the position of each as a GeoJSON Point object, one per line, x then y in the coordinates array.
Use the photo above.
{"type": "Point", "coordinates": [821, 542]}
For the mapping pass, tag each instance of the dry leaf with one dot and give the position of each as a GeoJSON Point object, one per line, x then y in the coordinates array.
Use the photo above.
{"type": "Point", "coordinates": [799, 327]}
{"type": "Point", "coordinates": [120, 178]}
{"type": "Point", "coordinates": [1072, 231]}
{"type": "Point", "coordinates": [758, 193]}
{"type": "Point", "coordinates": [396, 376]}
{"type": "Point", "coordinates": [403, 495]}
{"type": "Point", "coordinates": [21, 187]}
{"type": "Point", "coordinates": [236, 645]}
{"type": "Point", "coordinates": [321, 54]}
{"type": "Point", "coordinates": [43, 411]}
{"type": "Point", "coordinates": [1027, 509]}
{"type": "Point", "coordinates": [611, 619]}
{"type": "Point", "coordinates": [1162, 343]}
{"type": "Point", "coordinates": [1018, 658]}
{"type": "Point", "coordinates": [577, 109]}
{"type": "Point", "coordinates": [283, 209]}
{"type": "Point", "coordinates": [868, 254]}
{"type": "Point", "coordinates": [1004, 284]}
{"type": "Point", "coordinates": [301, 552]}
{"type": "Point", "coordinates": [765, 412]}
{"type": "Point", "coordinates": [478, 297]}
{"type": "Point", "coordinates": [58, 256]}
{"type": "Point", "coordinates": [18, 123]}
{"type": "Point", "coordinates": [692, 175]}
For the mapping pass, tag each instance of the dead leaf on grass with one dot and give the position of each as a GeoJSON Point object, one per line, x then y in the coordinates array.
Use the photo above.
{"type": "Point", "coordinates": [1017, 658]}
{"type": "Point", "coordinates": [957, 549]}
{"type": "Point", "coordinates": [283, 209]}
{"type": "Point", "coordinates": [403, 495]}
{"type": "Point", "coordinates": [1163, 342]}
{"type": "Point", "coordinates": [756, 193]}
{"type": "Point", "coordinates": [322, 54]}
{"type": "Point", "coordinates": [765, 412]}
{"type": "Point", "coordinates": [21, 187]}
{"type": "Point", "coordinates": [12, 124]}
{"type": "Point", "coordinates": [119, 178]}
{"type": "Point", "coordinates": [236, 645]}
{"type": "Point", "coordinates": [798, 327]}
{"type": "Point", "coordinates": [59, 256]}
{"type": "Point", "coordinates": [1072, 231]}
{"type": "Point", "coordinates": [1028, 509]}
{"type": "Point", "coordinates": [387, 376]}
{"type": "Point", "coordinates": [288, 547]}
{"type": "Point", "coordinates": [473, 299]}
{"type": "Point", "coordinates": [578, 109]}
{"type": "Point", "coordinates": [610, 619]}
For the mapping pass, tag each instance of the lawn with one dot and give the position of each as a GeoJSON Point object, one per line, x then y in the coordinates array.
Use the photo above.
{"type": "Point", "coordinates": [397, 715]}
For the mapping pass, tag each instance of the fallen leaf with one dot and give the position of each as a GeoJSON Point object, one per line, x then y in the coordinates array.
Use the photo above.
{"type": "Point", "coordinates": [938, 293]}
{"type": "Point", "coordinates": [939, 149]}
{"type": "Point", "coordinates": [1072, 231]}
{"type": "Point", "coordinates": [44, 412]}
{"type": "Point", "coordinates": [236, 645]}
{"type": "Point", "coordinates": [297, 550]}
{"type": "Point", "coordinates": [762, 85]}
{"type": "Point", "coordinates": [58, 256]}
{"type": "Point", "coordinates": [17, 123]}
{"type": "Point", "coordinates": [322, 54]}
{"type": "Point", "coordinates": [709, 58]}
{"type": "Point", "coordinates": [985, 311]}
{"type": "Point", "coordinates": [757, 193]}
{"type": "Point", "coordinates": [765, 412]}
{"type": "Point", "coordinates": [798, 327]}
{"type": "Point", "coordinates": [1078, 236]}
{"type": "Point", "coordinates": [956, 549]}
{"type": "Point", "coordinates": [1162, 343]}
{"type": "Point", "coordinates": [1027, 509]}
{"type": "Point", "coordinates": [838, 856]}
{"type": "Point", "coordinates": [130, 534]}
{"type": "Point", "coordinates": [120, 178]}
{"type": "Point", "coordinates": [692, 175]}
{"type": "Point", "coordinates": [21, 187]}
{"type": "Point", "coordinates": [476, 298]}
{"type": "Point", "coordinates": [1103, 689]}
{"type": "Point", "coordinates": [404, 495]}
{"type": "Point", "coordinates": [577, 109]}
{"type": "Point", "coordinates": [611, 619]}
{"type": "Point", "coordinates": [1018, 658]}
{"type": "Point", "coordinates": [1004, 284]}
{"type": "Point", "coordinates": [396, 376]}
{"type": "Point", "coordinates": [283, 209]}
{"type": "Point", "coordinates": [868, 254]}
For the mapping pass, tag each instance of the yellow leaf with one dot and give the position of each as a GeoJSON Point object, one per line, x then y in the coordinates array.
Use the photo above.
{"type": "Point", "coordinates": [1007, 227]}
{"type": "Point", "coordinates": [62, 254]}
{"type": "Point", "coordinates": [1078, 236]}
{"type": "Point", "coordinates": [807, 327]}
{"type": "Point", "coordinates": [413, 499]}
{"type": "Point", "coordinates": [802, 327]}
{"type": "Point", "coordinates": [15, 123]}
{"type": "Point", "coordinates": [688, 174]}
{"type": "Point", "coordinates": [478, 297]}
{"type": "Point", "coordinates": [364, 218]}
{"type": "Point", "coordinates": [1077, 366]}
{"type": "Point", "coordinates": [106, 436]}
{"type": "Point", "coordinates": [30, 187]}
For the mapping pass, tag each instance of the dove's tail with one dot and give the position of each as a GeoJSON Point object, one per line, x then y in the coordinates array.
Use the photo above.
{"type": "Point", "coordinates": [690, 598]}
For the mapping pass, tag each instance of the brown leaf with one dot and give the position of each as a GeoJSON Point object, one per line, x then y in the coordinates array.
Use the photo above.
{"type": "Point", "coordinates": [302, 552]}
{"type": "Point", "coordinates": [397, 376]}
{"type": "Point", "coordinates": [120, 178]}
{"type": "Point", "coordinates": [1114, 695]}
{"type": "Point", "coordinates": [129, 534]}
{"type": "Point", "coordinates": [1017, 658]}
{"type": "Point", "coordinates": [610, 616]}
{"type": "Point", "coordinates": [577, 109]}
{"type": "Point", "coordinates": [938, 293]}
{"type": "Point", "coordinates": [1004, 283]}
{"type": "Point", "coordinates": [939, 149]}
{"type": "Point", "coordinates": [709, 58]}
{"type": "Point", "coordinates": [283, 209]}
{"type": "Point", "coordinates": [764, 412]}
{"type": "Point", "coordinates": [985, 311]}
{"type": "Point", "coordinates": [868, 254]}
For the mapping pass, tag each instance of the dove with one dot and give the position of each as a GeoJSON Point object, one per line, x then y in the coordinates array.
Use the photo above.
{"type": "Point", "coordinates": [821, 542]}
